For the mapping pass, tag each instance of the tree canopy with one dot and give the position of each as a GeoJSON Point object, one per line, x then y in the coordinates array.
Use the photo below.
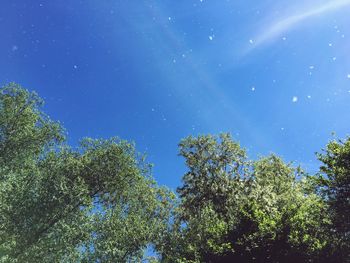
{"type": "Point", "coordinates": [235, 210]}
{"type": "Point", "coordinates": [93, 203]}
{"type": "Point", "coordinates": [98, 202]}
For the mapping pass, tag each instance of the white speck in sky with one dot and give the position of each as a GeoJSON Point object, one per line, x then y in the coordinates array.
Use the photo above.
{"type": "Point", "coordinates": [211, 37]}
{"type": "Point", "coordinates": [253, 88]}
{"type": "Point", "coordinates": [282, 129]}
{"type": "Point", "coordinates": [75, 66]}
{"type": "Point", "coordinates": [334, 58]}
{"type": "Point", "coordinates": [152, 109]}
{"type": "Point", "coordinates": [14, 48]}
{"type": "Point", "coordinates": [311, 67]}
{"type": "Point", "coordinates": [295, 99]}
{"type": "Point", "coordinates": [169, 18]}
{"type": "Point", "coordinates": [330, 44]}
{"type": "Point", "coordinates": [309, 96]}
{"type": "Point", "coordinates": [284, 38]}
{"type": "Point", "coordinates": [348, 76]}
{"type": "Point", "coordinates": [174, 60]}
{"type": "Point", "coordinates": [251, 41]}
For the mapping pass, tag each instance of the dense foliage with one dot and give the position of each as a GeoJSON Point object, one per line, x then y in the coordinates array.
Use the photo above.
{"type": "Point", "coordinates": [95, 203]}
{"type": "Point", "coordinates": [98, 203]}
{"type": "Point", "coordinates": [235, 210]}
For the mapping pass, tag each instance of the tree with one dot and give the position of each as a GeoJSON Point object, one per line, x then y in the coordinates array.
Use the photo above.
{"type": "Point", "coordinates": [334, 184]}
{"type": "Point", "coordinates": [235, 210]}
{"type": "Point", "coordinates": [200, 224]}
{"type": "Point", "coordinates": [95, 203]}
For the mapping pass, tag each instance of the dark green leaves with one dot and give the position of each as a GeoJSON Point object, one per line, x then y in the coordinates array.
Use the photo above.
{"type": "Point", "coordinates": [334, 184]}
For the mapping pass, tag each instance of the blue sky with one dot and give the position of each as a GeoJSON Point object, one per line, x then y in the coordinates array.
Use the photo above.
{"type": "Point", "coordinates": [276, 74]}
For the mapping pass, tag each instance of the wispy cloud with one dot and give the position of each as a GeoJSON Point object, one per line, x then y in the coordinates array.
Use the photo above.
{"type": "Point", "coordinates": [283, 25]}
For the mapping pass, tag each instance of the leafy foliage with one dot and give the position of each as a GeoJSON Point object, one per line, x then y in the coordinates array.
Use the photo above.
{"type": "Point", "coordinates": [97, 202]}
{"type": "Point", "coordinates": [59, 204]}
{"type": "Point", "coordinates": [234, 210]}
{"type": "Point", "coordinates": [334, 184]}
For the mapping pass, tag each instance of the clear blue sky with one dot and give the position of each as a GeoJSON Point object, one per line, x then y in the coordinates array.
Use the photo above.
{"type": "Point", "coordinates": [276, 74]}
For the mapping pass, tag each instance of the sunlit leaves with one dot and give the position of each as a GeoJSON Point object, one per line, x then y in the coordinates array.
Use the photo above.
{"type": "Point", "coordinates": [93, 203]}
{"type": "Point", "coordinates": [236, 210]}
{"type": "Point", "coordinates": [97, 202]}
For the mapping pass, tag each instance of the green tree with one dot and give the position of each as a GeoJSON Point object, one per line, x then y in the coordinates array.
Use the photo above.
{"type": "Point", "coordinates": [235, 210]}
{"type": "Point", "coordinates": [334, 184]}
{"type": "Point", "coordinates": [93, 203]}
{"type": "Point", "coordinates": [97, 202]}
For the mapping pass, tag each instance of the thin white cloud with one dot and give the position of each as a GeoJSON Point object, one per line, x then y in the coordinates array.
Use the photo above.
{"type": "Point", "coordinates": [280, 27]}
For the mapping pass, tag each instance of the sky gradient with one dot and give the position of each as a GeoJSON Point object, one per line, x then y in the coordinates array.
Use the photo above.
{"type": "Point", "coordinates": [275, 74]}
